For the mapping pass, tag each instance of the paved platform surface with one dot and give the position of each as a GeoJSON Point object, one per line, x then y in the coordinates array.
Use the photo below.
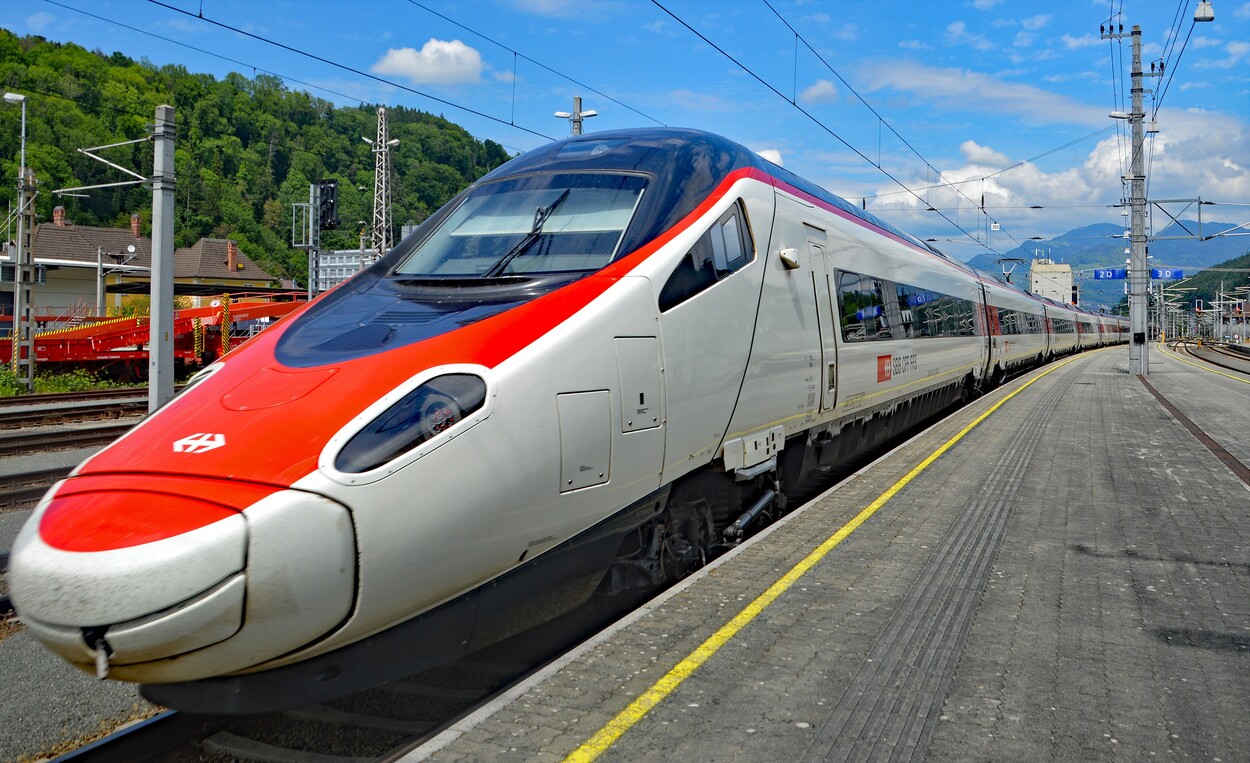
{"type": "Point", "coordinates": [1070, 581]}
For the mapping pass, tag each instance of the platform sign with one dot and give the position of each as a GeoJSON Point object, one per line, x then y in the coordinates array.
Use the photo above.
{"type": "Point", "coordinates": [1166, 274]}
{"type": "Point", "coordinates": [1110, 274]}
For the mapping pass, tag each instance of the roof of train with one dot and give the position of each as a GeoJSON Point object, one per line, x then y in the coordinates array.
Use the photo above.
{"type": "Point", "coordinates": [687, 164]}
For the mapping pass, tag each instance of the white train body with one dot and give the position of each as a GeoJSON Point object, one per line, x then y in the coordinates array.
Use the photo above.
{"type": "Point", "coordinates": [576, 420]}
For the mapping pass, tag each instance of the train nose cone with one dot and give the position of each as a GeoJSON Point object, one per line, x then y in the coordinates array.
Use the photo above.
{"type": "Point", "coordinates": [179, 567]}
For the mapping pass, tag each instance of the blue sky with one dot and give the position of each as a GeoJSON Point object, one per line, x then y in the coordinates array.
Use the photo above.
{"type": "Point", "coordinates": [954, 89]}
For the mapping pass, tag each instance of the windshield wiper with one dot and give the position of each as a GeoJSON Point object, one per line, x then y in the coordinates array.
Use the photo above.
{"type": "Point", "coordinates": [536, 231]}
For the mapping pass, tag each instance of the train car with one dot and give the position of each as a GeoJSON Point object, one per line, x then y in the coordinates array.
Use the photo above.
{"type": "Point", "coordinates": [1088, 336]}
{"type": "Point", "coordinates": [1061, 324]}
{"type": "Point", "coordinates": [1018, 335]}
{"type": "Point", "coordinates": [592, 370]}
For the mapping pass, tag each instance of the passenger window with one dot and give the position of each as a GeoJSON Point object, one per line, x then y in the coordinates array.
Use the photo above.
{"type": "Point", "coordinates": [717, 254]}
{"type": "Point", "coordinates": [863, 308]}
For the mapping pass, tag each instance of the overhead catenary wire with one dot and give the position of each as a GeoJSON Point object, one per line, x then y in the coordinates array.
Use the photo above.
{"type": "Point", "coordinates": [188, 46]}
{"type": "Point", "coordinates": [517, 54]}
{"type": "Point", "coordinates": [995, 174]}
{"type": "Point", "coordinates": [881, 121]}
{"type": "Point", "coordinates": [811, 117]}
{"type": "Point", "coordinates": [352, 69]}
{"type": "Point", "coordinates": [284, 77]}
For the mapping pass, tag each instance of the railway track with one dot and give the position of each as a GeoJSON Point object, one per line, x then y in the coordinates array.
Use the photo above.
{"type": "Point", "coordinates": [72, 407]}
{"type": "Point", "coordinates": [32, 440]}
{"type": "Point", "coordinates": [23, 489]}
{"type": "Point", "coordinates": [1216, 355]}
{"type": "Point", "coordinates": [377, 724]}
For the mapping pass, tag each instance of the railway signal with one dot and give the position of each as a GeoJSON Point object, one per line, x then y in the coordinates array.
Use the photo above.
{"type": "Point", "coordinates": [327, 204]}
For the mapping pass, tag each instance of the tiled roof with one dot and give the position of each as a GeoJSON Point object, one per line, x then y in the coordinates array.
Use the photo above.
{"type": "Point", "coordinates": [78, 243]}
{"type": "Point", "coordinates": [207, 259]}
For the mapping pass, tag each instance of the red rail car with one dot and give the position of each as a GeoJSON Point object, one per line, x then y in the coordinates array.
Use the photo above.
{"type": "Point", "coordinates": [119, 345]}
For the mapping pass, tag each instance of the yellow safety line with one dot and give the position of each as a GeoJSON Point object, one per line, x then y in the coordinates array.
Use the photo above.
{"type": "Point", "coordinates": [1168, 353]}
{"type": "Point", "coordinates": [606, 736]}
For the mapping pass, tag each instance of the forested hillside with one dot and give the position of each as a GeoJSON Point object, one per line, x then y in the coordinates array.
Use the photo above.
{"type": "Point", "coordinates": [247, 148]}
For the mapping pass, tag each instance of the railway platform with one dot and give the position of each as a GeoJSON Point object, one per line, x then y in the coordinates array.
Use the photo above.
{"type": "Point", "coordinates": [1056, 572]}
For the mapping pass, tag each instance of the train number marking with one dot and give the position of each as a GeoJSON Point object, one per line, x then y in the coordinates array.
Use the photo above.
{"type": "Point", "coordinates": [200, 442]}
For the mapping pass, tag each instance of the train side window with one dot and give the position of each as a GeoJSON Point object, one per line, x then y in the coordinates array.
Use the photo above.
{"type": "Point", "coordinates": [719, 253]}
{"type": "Point", "coordinates": [911, 301]}
{"type": "Point", "coordinates": [863, 308]}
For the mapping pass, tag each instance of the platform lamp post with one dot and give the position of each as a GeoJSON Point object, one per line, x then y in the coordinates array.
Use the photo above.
{"type": "Point", "coordinates": [21, 324]}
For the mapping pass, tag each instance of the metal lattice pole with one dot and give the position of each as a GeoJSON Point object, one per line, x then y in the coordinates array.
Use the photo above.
{"type": "Point", "coordinates": [382, 240]}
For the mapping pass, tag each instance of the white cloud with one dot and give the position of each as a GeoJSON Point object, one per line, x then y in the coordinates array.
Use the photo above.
{"type": "Point", "coordinates": [1023, 40]}
{"type": "Point", "coordinates": [821, 91]}
{"type": "Point", "coordinates": [556, 8]}
{"type": "Point", "coordinates": [966, 91]}
{"type": "Point", "coordinates": [957, 34]}
{"type": "Point", "coordinates": [913, 45]}
{"type": "Point", "coordinates": [1237, 51]}
{"type": "Point", "coordinates": [1084, 41]}
{"type": "Point", "coordinates": [847, 32]}
{"type": "Point", "coordinates": [978, 154]}
{"type": "Point", "coordinates": [772, 155]}
{"type": "Point", "coordinates": [1206, 42]}
{"type": "Point", "coordinates": [39, 21]}
{"type": "Point", "coordinates": [985, 5]}
{"type": "Point", "coordinates": [1035, 22]}
{"type": "Point", "coordinates": [439, 62]}
{"type": "Point", "coordinates": [1242, 11]}
{"type": "Point", "coordinates": [1197, 153]}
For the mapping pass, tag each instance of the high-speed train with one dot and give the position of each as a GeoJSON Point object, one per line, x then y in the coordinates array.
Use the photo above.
{"type": "Point", "coordinates": [590, 371]}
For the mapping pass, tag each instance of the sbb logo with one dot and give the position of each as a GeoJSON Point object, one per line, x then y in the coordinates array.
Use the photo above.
{"type": "Point", "coordinates": [885, 368]}
{"type": "Point", "coordinates": [200, 442]}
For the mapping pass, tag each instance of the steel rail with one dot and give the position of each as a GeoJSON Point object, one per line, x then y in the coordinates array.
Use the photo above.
{"type": "Point", "coordinates": [23, 441]}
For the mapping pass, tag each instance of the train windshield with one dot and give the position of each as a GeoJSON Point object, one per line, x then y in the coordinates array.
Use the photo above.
{"type": "Point", "coordinates": [535, 224]}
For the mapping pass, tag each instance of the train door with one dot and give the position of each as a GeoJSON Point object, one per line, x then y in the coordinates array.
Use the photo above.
{"type": "Point", "coordinates": [707, 320]}
{"type": "Point", "coordinates": [989, 347]}
{"type": "Point", "coordinates": [826, 318]}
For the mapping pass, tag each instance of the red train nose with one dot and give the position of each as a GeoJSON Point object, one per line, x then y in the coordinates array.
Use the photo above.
{"type": "Point", "coordinates": [108, 511]}
{"type": "Point", "coordinates": [160, 567]}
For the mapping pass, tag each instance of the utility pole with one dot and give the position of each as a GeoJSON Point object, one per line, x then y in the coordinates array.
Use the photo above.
{"type": "Point", "coordinates": [22, 339]}
{"type": "Point", "coordinates": [161, 338]}
{"type": "Point", "coordinates": [1139, 276]}
{"type": "Point", "coordinates": [576, 116]}
{"type": "Point", "coordinates": [382, 240]}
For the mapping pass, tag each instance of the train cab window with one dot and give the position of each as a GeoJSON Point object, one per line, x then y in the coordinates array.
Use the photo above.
{"type": "Point", "coordinates": [862, 302]}
{"type": "Point", "coordinates": [719, 253]}
{"type": "Point", "coordinates": [531, 225]}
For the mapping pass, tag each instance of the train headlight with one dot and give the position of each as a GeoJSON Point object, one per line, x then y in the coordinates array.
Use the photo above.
{"type": "Point", "coordinates": [424, 413]}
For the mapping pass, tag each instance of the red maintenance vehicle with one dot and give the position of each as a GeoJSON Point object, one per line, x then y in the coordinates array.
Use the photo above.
{"type": "Point", "coordinates": [117, 347]}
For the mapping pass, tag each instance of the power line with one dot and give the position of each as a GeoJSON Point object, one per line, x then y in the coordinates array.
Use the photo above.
{"type": "Point", "coordinates": [253, 67]}
{"type": "Point", "coordinates": [518, 54]}
{"type": "Point", "coordinates": [881, 120]}
{"type": "Point", "coordinates": [285, 78]}
{"type": "Point", "coordinates": [807, 114]}
{"type": "Point", "coordinates": [351, 69]}
{"type": "Point", "coordinates": [1172, 72]}
{"type": "Point", "coordinates": [1020, 163]}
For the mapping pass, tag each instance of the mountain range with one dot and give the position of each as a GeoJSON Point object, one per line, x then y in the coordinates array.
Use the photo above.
{"type": "Point", "coordinates": [1103, 245]}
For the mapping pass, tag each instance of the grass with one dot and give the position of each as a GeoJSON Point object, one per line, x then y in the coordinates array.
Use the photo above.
{"type": "Point", "coordinates": [48, 383]}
